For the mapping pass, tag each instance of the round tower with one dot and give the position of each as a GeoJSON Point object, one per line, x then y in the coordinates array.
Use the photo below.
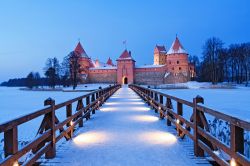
{"type": "Point", "coordinates": [177, 59]}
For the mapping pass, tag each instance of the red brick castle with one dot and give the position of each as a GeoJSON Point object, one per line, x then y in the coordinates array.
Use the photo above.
{"type": "Point", "coordinates": [169, 67]}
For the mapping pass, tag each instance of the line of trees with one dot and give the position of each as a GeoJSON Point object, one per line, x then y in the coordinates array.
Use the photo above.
{"type": "Point", "coordinates": [65, 74]}
{"type": "Point", "coordinates": [222, 64]}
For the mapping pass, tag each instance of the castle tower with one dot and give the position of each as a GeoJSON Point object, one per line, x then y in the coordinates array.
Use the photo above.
{"type": "Point", "coordinates": [85, 61]}
{"type": "Point", "coordinates": [125, 68]}
{"type": "Point", "coordinates": [159, 55]}
{"type": "Point", "coordinates": [177, 58]}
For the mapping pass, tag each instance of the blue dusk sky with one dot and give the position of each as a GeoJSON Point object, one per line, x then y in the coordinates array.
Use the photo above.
{"type": "Point", "coordinates": [32, 31]}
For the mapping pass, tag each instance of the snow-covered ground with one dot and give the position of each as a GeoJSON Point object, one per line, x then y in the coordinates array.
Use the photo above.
{"type": "Point", "coordinates": [234, 102]}
{"type": "Point", "coordinates": [88, 87]}
{"type": "Point", "coordinates": [15, 103]}
{"type": "Point", "coordinates": [124, 132]}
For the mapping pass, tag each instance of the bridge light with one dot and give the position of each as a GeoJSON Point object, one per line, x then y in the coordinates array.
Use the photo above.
{"type": "Point", "coordinates": [16, 163]}
{"type": "Point", "coordinates": [233, 162]}
{"type": "Point", "coordinates": [71, 123]}
{"type": "Point", "coordinates": [178, 121]}
{"type": "Point", "coordinates": [159, 108]}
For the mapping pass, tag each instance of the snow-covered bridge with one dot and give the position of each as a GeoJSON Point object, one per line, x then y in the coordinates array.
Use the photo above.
{"type": "Point", "coordinates": [124, 131]}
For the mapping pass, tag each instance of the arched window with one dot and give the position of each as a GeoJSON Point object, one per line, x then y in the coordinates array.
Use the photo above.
{"type": "Point", "coordinates": [179, 68]}
{"type": "Point", "coordinates": [173, 68]}
{"type": "Point", "coordinates": [170, 62]}
{"type": "Point", "coordinates": [178, 62]}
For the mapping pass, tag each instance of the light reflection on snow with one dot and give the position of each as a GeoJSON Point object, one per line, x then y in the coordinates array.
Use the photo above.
{"type": "Point", "coordinates": [158, 137]}
{"type": "Point", "coordinates": [89, 138]}
{"type": "Point", "coordinates": [136, 108]}
{"type": "Point", "coordinates": [126, 103]}
{"type": "Point", "coordinates": [108, 109]}
{"type": "Point", "coordinates": [141, 108]}
{"type": "Point", "coordinates": [145, 118]}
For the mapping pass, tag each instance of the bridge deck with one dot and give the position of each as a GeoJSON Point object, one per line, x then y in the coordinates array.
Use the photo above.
{"type": "Point", "coordinates": [125, 132]}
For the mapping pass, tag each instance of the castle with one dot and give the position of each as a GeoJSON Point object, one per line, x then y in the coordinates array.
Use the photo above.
{"type": "Point", "coordinates": [170, 66]}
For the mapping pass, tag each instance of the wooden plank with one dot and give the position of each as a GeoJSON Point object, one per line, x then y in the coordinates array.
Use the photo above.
{"type": "Point", "coordinates": [18, 121]}
{"type": "Point", "coordinates": [10, 142]}
{"type": "Point", "coordinates": [51, 153]}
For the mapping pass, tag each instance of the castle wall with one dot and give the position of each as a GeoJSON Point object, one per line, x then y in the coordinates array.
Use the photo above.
{"type": "Point", "coordinates": [175, 78]}
{"type": "Point", "coordinates": [102, 76]}
{"type": "Point", "coordinates": [150, 76]}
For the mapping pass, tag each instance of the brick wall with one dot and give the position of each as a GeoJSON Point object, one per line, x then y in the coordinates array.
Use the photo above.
{"type": "Point", "coordinates": [176, 78]}
{"type": "Point", "coordinates": [102, 76]}
{"type": "Point", "coordinates": [149, 77]}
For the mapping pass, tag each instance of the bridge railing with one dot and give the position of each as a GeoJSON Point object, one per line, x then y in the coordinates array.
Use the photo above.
{"type": "Point", "coordinates": [197, 127]}
{"type": "Point", "coordinates": [50, 130]}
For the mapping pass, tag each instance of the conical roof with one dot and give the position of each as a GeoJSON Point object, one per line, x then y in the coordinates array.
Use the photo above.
{"type": "Point", "coordinates": [125, 55]}
{"type": "Point", "coordinates": [176, 48]}
{"type": "Point", "coordinates": [109, 62]}
{"type": "Point", "coordinates": [80, 51]}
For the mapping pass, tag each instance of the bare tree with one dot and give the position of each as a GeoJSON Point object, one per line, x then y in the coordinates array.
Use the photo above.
{"type": "Point", "coordinates": [52, 70]}
{"type": "Point", "coordinates": [211, 51]}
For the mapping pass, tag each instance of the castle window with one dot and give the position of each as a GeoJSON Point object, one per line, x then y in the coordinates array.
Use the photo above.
{"type": "Point", "coordinates": [173, 68]}
{"type": "Point", "coordinates": [169, 62]}
{"type": "Point", "coordinates": [179, 68]}
{"type": "Point", "coordinates": [178, 62]}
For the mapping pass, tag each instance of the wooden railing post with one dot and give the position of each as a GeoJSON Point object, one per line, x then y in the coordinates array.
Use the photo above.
{"type": "Point", "coordinates": [87, 100]}
{"type": "Point", "coordinates": [51, 153]}
{"type": "Point", "coordinates": [179, 112]}
{"type": "Point", "coordinates": [161, 112]}
{"type": "Point", "coordinates": [92, 100]}
{"type": "Point", "coordinates": [68, 114]}
{"type": "Point", "coordinates": [198, 151]}
{"type": "Point", "coordinates": [169, 106]}
{"type": "Point", "coordinates": [237, 139]}
{"type": "Point", "coordinates": [79, 107]}
{"type": "Point", "coordinates": [10, 142]}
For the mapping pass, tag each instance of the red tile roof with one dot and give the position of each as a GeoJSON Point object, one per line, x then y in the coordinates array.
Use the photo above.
{"type": "Point", "coordinates": [125, 55]}
{"type": "Point", "coordinates": [80, 51]}
{"type": "Point", "coordinates": [109, 62]}
{"type": "Point", "coordinates": [177, 47]}
{"type": "Point", "coordinates": [160, 48]}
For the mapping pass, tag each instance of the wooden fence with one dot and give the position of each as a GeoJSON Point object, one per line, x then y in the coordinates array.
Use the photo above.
{"type": "Point", "coordinates": [50, 130]}
{"type": "Point", "coordinates": [197, 127]}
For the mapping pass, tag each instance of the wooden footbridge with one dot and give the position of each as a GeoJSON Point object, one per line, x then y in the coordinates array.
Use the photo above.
{"type": "Point", "coordinates": [125, 131]}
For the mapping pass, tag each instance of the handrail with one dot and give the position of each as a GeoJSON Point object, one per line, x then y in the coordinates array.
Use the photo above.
{"type": "Point", "coordinates": [47, 138]}
{"type": "Point", "coordinates": [197, 127]}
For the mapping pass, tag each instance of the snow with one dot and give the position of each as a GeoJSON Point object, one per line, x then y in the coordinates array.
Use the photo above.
{"type": "Point", "coordinates": [150, 66]}
{"type": "Point", "coordinates": [179, 51]}
{"type": "Point", "coordinates": [234, 102]}
{"type": "Point", "coordinates": [166, 74]}
{"type": "Point", "coordinates": [123, 132]}
{"type": "Point", "coordinates": [88, 87]}
{"type": "Point", "coordinates": [15, 103]}
{"type": "Point", "coordinates": [103, 67]}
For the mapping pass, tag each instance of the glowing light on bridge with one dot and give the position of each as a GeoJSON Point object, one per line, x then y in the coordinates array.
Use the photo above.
{"type": "Point", "coordinates": [125, 103]}
{"type": "Point", "coordinates": [145, 118]}
{"type": "Point", "coordinates": [16, 164]}
{"type": "Point", "coordinates": [141, 109]}
{"type": "Point", "coordinates": [90, 138]}
{"type": "Point", "coordinates": [233, 162]}
{"type": "Point", "coordinates": [158, 137]}
{"type": "Point", "coordinates": [108, 109]}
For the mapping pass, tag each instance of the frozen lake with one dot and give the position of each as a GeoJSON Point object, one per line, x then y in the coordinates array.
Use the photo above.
{"type": "Point", "coordinates": [234, 102]}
